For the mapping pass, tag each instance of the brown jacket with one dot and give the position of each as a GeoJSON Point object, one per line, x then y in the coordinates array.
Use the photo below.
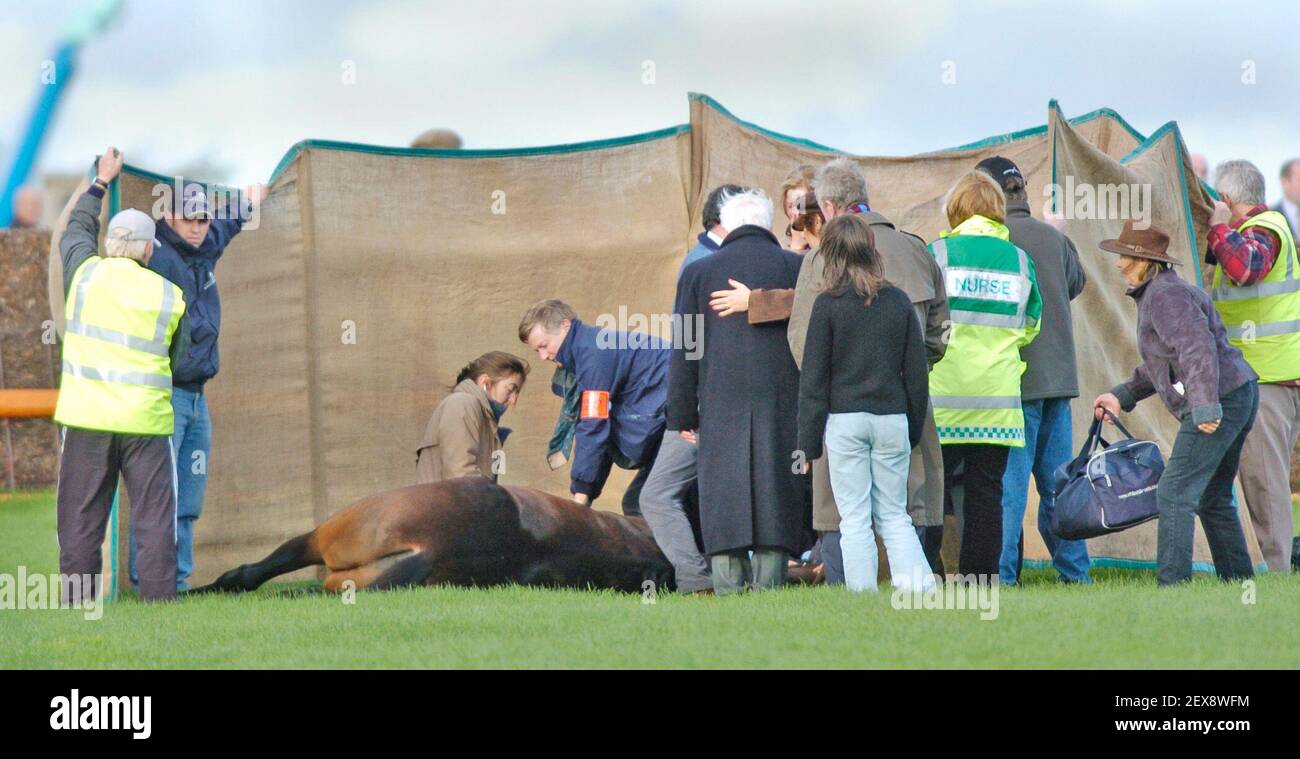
{"type": "Point", "coordinates": [910, 267]}
{"type": "Point", "coordinates": [460, 438]}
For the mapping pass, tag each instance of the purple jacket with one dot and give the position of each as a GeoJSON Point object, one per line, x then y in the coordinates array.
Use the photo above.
{"type": "Point", "coordinates": [1181, 340]}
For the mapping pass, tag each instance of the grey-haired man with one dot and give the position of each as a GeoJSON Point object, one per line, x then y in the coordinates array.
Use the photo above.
{"type": "Point", "coordinates": [125, 332]}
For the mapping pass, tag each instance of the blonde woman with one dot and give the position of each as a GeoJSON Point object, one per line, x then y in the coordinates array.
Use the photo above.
{"type": "Point", "coordinates": [994, 303]}
{"type": "Point", "coordinates": [464, 434]}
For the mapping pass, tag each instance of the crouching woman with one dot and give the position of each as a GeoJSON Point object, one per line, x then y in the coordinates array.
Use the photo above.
{"type": "Point", "coordinates": [1204, 381]}
{"type": "Point", "coordinates": [463, 435]}
{"type": "Point", "coordinates": [864, 386]}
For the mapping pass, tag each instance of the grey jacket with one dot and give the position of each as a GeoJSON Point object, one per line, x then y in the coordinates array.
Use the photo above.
{"type": "Point", "coordinates": [1051, 370]}
{"type": "Point", "coordinates": [1182, 343]}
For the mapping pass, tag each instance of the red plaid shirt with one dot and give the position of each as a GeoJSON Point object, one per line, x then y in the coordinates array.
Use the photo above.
{"type": "Point", "coordinates": [1247, 257]}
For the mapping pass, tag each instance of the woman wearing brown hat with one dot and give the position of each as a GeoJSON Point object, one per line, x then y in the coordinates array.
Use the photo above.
{"type": "Point", "coordinates": [1205, 382]}
{"type": "Point", "coordinates": [797, 184]}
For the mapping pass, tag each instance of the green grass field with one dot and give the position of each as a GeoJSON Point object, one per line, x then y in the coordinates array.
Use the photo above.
{"type": "Point", "coordinates": [1120, 621]}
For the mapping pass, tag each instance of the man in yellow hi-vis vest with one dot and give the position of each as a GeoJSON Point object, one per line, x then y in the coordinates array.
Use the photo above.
{"type": "Point", "coordinates": [123, 336]}
{"type": "Point", "coordinates": [1256, 289]}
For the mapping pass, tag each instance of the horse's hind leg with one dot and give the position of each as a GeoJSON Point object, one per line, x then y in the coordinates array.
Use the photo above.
{"type": "Point", "coordinates": [294, 553]}
{"type": "Point", "coordinates": [409, 567]}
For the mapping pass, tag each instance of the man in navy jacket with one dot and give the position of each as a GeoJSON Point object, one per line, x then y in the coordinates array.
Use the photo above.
{"type": "Point", "coordinates": [191, 242]}
{"type": "Point", "coordinates": [623, 378]}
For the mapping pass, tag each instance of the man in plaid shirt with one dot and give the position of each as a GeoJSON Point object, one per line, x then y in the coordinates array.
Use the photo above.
{"type": "Point", "coordinates": [1256, 290]}
{"type": "Point", "coordinates": [1245, 255]}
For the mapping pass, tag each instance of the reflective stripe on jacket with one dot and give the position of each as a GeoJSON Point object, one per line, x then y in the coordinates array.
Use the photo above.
{"type": "Point", "coordinates": [116, 369]}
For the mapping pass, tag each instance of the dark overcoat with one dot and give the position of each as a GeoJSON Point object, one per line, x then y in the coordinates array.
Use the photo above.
{"type": "Point", "coordinates": [739, 388]}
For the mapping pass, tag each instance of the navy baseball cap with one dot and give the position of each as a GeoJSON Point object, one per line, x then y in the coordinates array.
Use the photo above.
{"type": "Point", "coordinates": [1000, 169]}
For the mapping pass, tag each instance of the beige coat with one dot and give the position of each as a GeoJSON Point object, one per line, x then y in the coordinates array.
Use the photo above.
{"type": "Point", "coordinates": [910, 267]}
{"type": "Point", "coordinates": [460, 438]}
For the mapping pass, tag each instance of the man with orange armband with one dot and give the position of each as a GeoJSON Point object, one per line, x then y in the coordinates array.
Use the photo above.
{"type": "Point", "coordinates": [623, 380]}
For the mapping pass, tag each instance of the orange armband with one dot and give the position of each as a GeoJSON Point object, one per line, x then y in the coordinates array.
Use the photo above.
{"type": "Point", "coordinates": [595, 404]}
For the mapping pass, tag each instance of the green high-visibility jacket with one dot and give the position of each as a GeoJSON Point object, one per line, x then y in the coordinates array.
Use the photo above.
{"type": "Point", "coordinates": [995, 308]}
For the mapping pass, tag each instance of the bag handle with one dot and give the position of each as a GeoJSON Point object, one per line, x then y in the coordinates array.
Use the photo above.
{"type": "Point", "coordinates": [1094, 437]}
{"type": "Point", "coordinates": [1089, 443]}
{"type": "Point", "coordinates": [1118, 424]}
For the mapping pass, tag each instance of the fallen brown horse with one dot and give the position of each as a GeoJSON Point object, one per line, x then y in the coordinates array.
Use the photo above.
{"type": "Point", "coordinates": [468, 531]}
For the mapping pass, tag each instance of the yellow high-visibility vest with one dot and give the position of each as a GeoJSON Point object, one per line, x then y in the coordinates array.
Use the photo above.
{"type": "Point", "coordinates": [116, 369]}
{"type": "Point", "coordinates": [1263, 319]}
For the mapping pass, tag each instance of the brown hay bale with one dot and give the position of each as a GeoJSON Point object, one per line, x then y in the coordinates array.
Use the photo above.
{"type": "Point", "coordinates": [29, 353]}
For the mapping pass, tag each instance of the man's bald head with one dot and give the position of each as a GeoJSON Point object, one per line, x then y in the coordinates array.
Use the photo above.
{"type": "Point", "coordinates": [29, 203]}
{"type": "Point", "coordinates": [1200, 167]}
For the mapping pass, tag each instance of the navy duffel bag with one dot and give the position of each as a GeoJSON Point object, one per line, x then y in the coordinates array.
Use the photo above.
{"type": "Point", "coordinates": [1108, 489]}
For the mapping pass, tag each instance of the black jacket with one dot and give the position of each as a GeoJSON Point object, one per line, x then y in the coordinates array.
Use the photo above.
{"type": "Point", "coordinates": [862, 358]}
{"type": "Point", "coordinates": [738, 386]}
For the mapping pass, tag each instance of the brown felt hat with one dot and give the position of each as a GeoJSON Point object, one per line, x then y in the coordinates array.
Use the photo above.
{"type": "Point", "coordinates": [808, 206]}
{"type": "Point", "coordinates": [1150, 243]}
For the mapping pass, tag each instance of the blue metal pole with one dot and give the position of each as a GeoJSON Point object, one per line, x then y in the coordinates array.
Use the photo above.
{"type": "Point", "coordinates": [42, 114]}
{"type": "Point", "coordinates": [88, 21]}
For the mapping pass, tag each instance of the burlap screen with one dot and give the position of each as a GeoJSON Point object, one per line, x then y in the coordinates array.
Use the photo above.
{"type": "Point", "coordinates": [376, 273]}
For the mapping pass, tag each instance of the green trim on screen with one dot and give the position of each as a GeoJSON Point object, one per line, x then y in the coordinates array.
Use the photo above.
{"type": "Point", "coordinates": [801, 142]}
{"type": "Point", "coordinates": [1002, 139]}
{"type": "Point", "coordinates": [114, 197]}
{"type": "Point", "coordinates": [157, 178]}
{"type": "Point", "coordinates": [1056, 186]}
{"type": "Point", "coordinates": [358, 147]}
{"type": "Point", "coordinates": [1110, 562]}
{"type": "Point", "coordinates": [110, 593]}
{"type": "Point", "coordinates": [1155, 137]}
{"type": "Point", "coordinates": [572, 147]}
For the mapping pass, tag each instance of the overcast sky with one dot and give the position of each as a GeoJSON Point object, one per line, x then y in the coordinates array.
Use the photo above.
{"type": "Point", "coordinates": [233, 84]}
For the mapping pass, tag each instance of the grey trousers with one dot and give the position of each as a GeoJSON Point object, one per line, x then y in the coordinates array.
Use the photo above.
{"type": "Point", "coordinates": [88, 470]}
{"type": "Point", "coordinates": [663, 505]}
{"type": "Point", "coordinates": [735, 571]}
{"type": "Point", "coordinates": [1265, 472]}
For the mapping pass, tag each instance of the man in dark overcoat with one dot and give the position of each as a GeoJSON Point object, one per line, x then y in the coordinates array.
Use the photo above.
{"type": "Point", "coordinates": [738, 391]}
